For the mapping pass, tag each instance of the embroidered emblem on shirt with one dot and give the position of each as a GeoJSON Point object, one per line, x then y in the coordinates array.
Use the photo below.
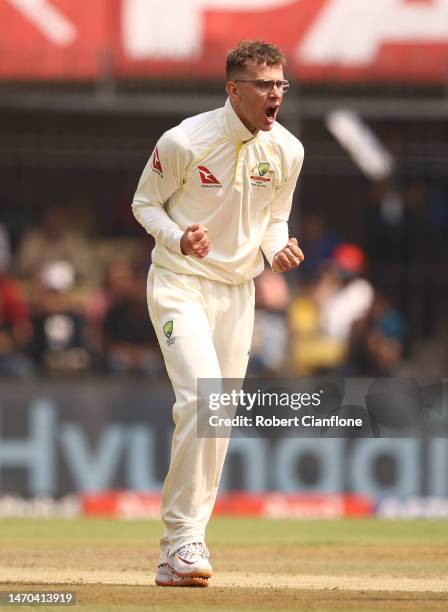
{"type": "Point", "coordinates": [257, 175]}
{"type": "Point", "coordinates": [207, 178]}
{"type": "Point", "coordinates": [156, 165]}
{"type": "Point", "coordinates": [263, 167]}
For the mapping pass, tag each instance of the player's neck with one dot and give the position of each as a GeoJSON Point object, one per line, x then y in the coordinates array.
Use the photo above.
{"type": "Point", "coordinates": [247, 124]}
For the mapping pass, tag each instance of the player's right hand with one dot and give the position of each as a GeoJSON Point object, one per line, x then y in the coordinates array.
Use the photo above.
{"type": "Point", "coordinates": [195, 241]}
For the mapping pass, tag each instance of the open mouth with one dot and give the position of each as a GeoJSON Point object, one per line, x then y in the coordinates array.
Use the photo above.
{"type": "Point", "coordinates": [271, 112]}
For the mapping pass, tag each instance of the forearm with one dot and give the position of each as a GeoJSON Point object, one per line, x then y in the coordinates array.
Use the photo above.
{"type": "Point", "coordinates": [277, 234]}
{"type": "Point", "coordinates": [275, 239]}
{"type": "Point", "coordinates": [156, 222]}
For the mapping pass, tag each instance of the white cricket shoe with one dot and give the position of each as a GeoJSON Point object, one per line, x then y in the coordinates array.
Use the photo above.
{"type": "Point", "coordinates": [191, 560]}
{"type": "Point", "coordinates": [166, 577]}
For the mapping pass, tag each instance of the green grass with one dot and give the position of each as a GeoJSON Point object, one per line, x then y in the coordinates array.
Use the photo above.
{"type": "Point", "coordinates": [230, 531]}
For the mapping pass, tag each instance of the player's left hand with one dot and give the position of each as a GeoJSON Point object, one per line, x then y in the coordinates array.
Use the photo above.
{"type": "Point", "coordinates": [288, 258]}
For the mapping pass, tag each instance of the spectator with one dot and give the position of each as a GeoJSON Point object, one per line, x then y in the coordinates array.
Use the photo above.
{"type": "Point", "coordinates": [350, 295]}
{"type": "Point", "coordinates": [53, 242]}
{"type": "Point", "coordinates": [15, 326]}
{"type": "Point", "coordinates": [406, 248]}
{"type": "Point", "coordinates": [318, 244]}
{"type": "Point", "coordinates": [117, 285]}
{"type": "Point", "coordinates": [270, 338]}
{"type": "Point", "coordinates": [322, 316]}
{"type": "Point", "coordinates": [129, 341]}
{"type": "Point", "coordinates": [58, 328]}
{"type": "Point", "coordinates": [377, 339]}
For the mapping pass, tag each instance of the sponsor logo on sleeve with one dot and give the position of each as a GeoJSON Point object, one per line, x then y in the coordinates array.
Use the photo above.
{"type": "Point", "coordinates": [155, 164]}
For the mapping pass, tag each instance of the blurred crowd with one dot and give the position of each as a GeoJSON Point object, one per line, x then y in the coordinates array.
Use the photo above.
{"type": "Point", "coordinates": [326, 317]}
{"type": "Point", "coordinates": [68, 306]}
{"type": "Point", "coordinates": [65, 308]}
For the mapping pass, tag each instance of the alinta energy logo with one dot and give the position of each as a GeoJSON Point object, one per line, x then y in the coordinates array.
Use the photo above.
{"type": "Point", "coordinates": [156, 165]}
{"type": "Point", "coordinates": [208, 180]}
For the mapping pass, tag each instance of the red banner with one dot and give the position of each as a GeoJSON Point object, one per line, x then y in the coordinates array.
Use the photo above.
{"type": "Point", "coordinates": [324, 40]}
{"type": "Point", "coordinates": [131, 504]}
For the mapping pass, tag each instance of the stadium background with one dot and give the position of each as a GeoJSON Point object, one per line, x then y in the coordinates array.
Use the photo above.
{"type": "Point", "coordinates": [85, 92]}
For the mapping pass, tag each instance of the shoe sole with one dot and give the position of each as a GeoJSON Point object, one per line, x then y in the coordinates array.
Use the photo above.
{"type": "Point", "coordinates": [206, 574]}
{"type": "Point", "coordinates": [187, 581]}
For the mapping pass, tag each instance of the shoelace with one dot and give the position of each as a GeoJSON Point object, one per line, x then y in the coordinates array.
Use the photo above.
{"type": "Point", "coordinates": [194, 549]}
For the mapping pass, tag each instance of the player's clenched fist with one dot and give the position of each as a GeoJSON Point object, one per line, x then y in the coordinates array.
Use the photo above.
{"type": "Point", "coordinates": [195, 241]}
{"type": "Point", "coordinates": [288, 258]}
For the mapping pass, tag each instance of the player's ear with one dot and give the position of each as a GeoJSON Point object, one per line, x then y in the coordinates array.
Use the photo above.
{"type": "Point", "coordinates": [232, 90]}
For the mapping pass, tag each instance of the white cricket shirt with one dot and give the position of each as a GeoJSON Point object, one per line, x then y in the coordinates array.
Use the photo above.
{"type": "Point", "coordinates": [211, 169]}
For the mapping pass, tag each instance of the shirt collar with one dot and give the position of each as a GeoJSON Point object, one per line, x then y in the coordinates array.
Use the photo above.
{"type": "Point", "coordinates": [234, 128]}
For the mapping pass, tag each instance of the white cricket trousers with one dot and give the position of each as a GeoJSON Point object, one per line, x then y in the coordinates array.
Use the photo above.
{"type": "Point", "coordinates": [204, 329]}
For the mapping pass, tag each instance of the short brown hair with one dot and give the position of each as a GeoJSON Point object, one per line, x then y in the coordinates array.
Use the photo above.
{"type": "Point", "coordinates": [256, 51]}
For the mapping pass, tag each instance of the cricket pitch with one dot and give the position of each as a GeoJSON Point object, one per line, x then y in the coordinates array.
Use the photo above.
{"type": "Point", "coordinates": [259, 564]}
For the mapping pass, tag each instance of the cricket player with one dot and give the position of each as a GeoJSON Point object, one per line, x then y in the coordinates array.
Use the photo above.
{"type": "Point", "coordinates": [216, 195]}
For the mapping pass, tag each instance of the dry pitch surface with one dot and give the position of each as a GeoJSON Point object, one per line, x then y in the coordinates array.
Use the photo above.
{"type": "Point", "coordinates": [259, 564]}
